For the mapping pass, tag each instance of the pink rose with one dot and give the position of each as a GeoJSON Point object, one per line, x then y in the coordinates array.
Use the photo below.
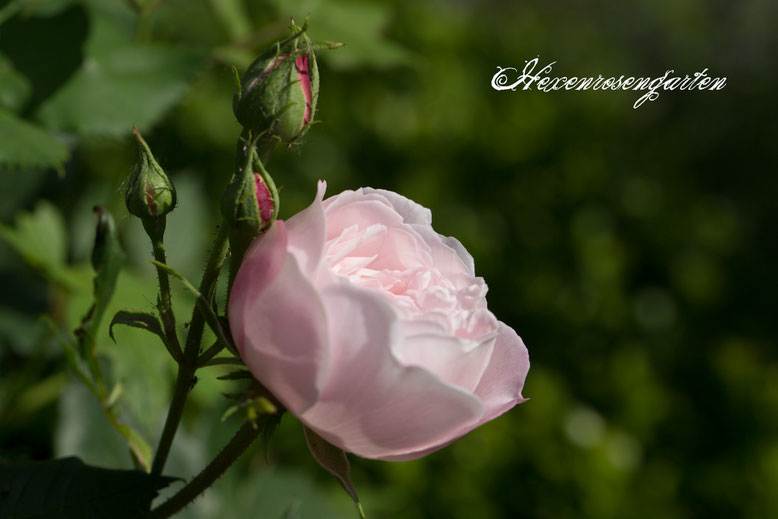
{"type": "Point", "coordinates": [372, 329]}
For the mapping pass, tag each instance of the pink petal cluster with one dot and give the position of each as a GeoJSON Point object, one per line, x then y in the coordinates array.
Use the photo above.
{"type": "Point", "coordinates": [373, 329]}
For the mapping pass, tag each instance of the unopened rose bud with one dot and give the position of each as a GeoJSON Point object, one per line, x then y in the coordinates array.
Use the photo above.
{"type": "Point", "coordinates": [149, 192]}
{"type": "Point", "coordinates": [250, 202]}
{"type": "Point", "coordinates": [249, 205]}
{"type": "Point", "coordinates": [277, 95]}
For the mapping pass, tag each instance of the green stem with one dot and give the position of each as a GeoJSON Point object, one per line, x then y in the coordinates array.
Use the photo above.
{"type": "Point", "coordinates": [156, 229]}
{"type": "Point", "coordinates": [207, 287]}
{"type": "Point", "coordinates": [175, 412]}
{"type": "Point", "coordinates": [188, 364]}
{"type": "Point", "coordinates": [231, 452]}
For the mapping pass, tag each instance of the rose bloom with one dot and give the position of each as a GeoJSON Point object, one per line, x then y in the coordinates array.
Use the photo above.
{"type": "Point", "coordinates": [372, 329]}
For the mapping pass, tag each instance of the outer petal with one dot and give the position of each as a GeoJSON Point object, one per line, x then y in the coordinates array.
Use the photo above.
{"type": "Point", "coordinates": [411, 212]}
{"type": "Point", "coordinates": [499, 389]}
{"type": "Point", "coordinates": [459, 362]}
{"type": "Point", "coordinates": [307, 232]}
{"type": "Point", "coordinates": [278, 322]}
{"type": "Point", "coordinates": [372, 405]}
{"type": "Point", "coordinates": [460, 251]}
{"type": "Point", "coordinates": [501, 384]}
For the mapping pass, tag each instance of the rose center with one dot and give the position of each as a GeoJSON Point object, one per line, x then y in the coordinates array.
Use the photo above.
{"type": "Point", "coordinates": [370, 258]}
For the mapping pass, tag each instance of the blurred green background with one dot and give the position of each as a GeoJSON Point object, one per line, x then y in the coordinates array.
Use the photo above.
{"type": "Point", "coordinates": [634, 250]}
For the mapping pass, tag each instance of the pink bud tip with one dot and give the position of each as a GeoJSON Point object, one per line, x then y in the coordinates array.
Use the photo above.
{"type": "Point", "coordinates": [304, 76]}
{"type": "Point", "coordinates": [264, 198]}
{"type": "Point", "coordinates": [150, 199]}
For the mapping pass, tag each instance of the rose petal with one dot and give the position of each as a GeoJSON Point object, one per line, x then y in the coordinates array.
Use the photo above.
{"type": "Point", "coordinates": [411, 212]}
{"type": "Point", "coordinates": [348, 197]}
{"type": "Point", "coordinates": [371, 404]}
{"type": "Point", "coordinates": [449, 256]}
{"type": "Point", "coordinates": [456, 361]}
{"type": "Point", "coordinates": [363, 213]}
{"type": "Point", "coordinates": [261, 264]}
{"type": "Point", "coordinates": [500, 386]}
{"type": "Point", "coordinates": [499, 389]}
{"type": "Point", "coordinates": [278, 322]}
{"type": "Point", "coordinates": [399, 249]}
{"type": "Point", "coordinates": [461, 252]}
{"type": "Point", "coordinates": [307, 232]}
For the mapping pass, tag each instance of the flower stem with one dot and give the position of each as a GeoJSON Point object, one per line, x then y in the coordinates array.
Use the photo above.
{"type": "Point", "coordinates": [155, 230]}
{"type": "Point", "coordinates": [188, 364]}
{"type": "Point", "coordinates": [207, 287]}
{"type": "Point", "coordinates": [231, 452]}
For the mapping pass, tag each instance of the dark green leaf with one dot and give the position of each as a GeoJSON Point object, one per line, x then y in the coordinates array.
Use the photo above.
{"type": "Point", "coordinates": [111, 92]}
{"type": "Point", "coordinates": [14, 87]}
{"type": "Point", "coordinates": [45, 41]}
{"type": "Point", "coordinates": [28, 8]}
{"type": "Point", "coordinates": [67, 488]}
{"type": "Point", "coordinates": [137, 319]}
{"type": "Point", "coordinates": [360, 25]}
{"type": "Point", "coordinates": [119, 82]}
{"type": "Point", "coordinates": [23, 144]}
{"type": "Point", "coordinates": [143, 320]}
{"type": "Point", "coordinates": [334, 460]}
{"type": "Point", "coordinates": [40, 238]}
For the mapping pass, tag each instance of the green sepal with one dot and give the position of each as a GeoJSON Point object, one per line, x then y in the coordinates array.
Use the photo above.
{"type": "Point", "coordinates": [241, 374]}
{"type": "Point", "coordinates": [238, 88]}
{"type": "Point", "coordinates": [335, 461]}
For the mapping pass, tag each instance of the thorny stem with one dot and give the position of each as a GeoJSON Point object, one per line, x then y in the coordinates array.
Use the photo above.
{"type": "Point", "coordinates": [155, 230]}
{"type": "Point", "coordinates": [226, 457]}
{"type": "Point", "coordinates": [188, 364]}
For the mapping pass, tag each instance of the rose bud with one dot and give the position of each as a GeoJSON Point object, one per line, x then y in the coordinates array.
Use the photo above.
{"type": "Point", "coordinates": [249, 206]}
{"type": "Point", "coordinates": [278, 92]}
{"type": "Point", "coordinates": [372, 328]}
{"type": "Point", "coordinates": [149, 192]}
{"type": "Point", "coordinates": [250, 202]}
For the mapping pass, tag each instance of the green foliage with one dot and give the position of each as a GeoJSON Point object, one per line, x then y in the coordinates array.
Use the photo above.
{"type": "Point", "coordinates": [39, 238]}
{"type": "Point", "coordinates": [360, 25]}
{"type": "Point", "coordinates": [14, 87]}
{"type": "Point", "coordinates": [138, 319]}
{"type": "Point", "coordinates": [130, 85]}
{"type": "Point", "coordinates": [67, 488]}
{"type": "Point", "coordinates": [26, 145]}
